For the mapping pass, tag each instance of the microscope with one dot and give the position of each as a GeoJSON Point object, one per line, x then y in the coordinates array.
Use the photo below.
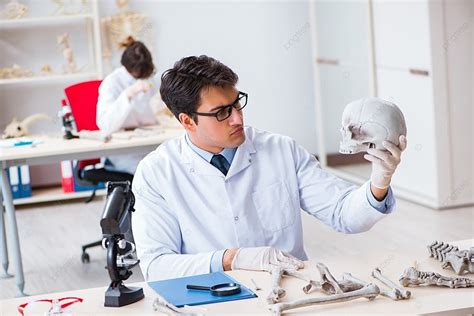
{"type": "Point", "coordinates": [115, 223]}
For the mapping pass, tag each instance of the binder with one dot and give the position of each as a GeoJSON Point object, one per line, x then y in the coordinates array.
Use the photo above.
{"type": "Point", "coordinates": [67, 181]}
{"type": "Point", "coordinates": [70, 181]}
{"type": "Point", "coordinates": [14, 177]}
{"type": "Point", "coordinates": [25, 189]}
{"type": "Point", "coordinates": [175, 292]}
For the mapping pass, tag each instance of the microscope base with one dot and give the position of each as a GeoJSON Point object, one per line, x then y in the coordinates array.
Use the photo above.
{"type": "Point", "coordinates": [121, 295]}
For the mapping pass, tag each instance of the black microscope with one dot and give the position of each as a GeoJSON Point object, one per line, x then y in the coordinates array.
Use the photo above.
{"type": "Point", "coordinates": [116, 223]}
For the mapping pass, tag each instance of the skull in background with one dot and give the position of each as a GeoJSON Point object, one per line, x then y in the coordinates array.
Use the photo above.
{"type": "Point", "coordinates": [367, 122]}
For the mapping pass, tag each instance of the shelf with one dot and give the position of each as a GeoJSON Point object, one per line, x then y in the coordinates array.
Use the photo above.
{"type": "Point", "coordinates": [51, 194]}
{"type": "Point", "coordinates": [51, 78]}
{"type": "Point", "coordinates": [47, 20]}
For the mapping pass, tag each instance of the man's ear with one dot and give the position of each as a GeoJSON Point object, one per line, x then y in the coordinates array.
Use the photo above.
{"type": "Point", "coordinates": [187, 122]}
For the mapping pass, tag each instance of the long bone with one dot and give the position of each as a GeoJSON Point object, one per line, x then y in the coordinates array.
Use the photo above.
{"type": "Point", "coordinates": [396, 292]}
{"type": "Point", "coordinates": [348, 279]}
{"type": "Point", "coordinates": [312, 284]}
{"type": "Point", "coordinates": [329, 284]}
{"type": "Point", "coordinates": [277, 292]}
{"type": "Point", "coordinates": [162, 305]}
{"type": "Point", "coordinates": [370, 291]}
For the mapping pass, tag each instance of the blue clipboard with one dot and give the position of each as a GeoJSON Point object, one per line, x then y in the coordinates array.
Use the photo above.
{"type": "Point", "coordinates": [175, 292]}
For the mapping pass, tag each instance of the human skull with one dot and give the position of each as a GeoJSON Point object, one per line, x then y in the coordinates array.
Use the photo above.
{"type": "Point", "coordinates": [367, 122]}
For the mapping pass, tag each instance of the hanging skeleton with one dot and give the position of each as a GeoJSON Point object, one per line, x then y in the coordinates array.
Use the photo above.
{"type": "Point", "coordinates": [461, 261]}
{"type": "Point", "coordinates": [118, 27]}
{"type": "Point", "coordinates": [67, 52]}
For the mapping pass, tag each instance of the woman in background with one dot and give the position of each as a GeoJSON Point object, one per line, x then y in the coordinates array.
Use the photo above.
{"type": "Point", "coordinates": [124, 100]}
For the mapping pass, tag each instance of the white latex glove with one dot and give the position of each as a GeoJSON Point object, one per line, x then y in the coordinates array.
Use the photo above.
{"type": "Point", "coordinates": [384, 162]}
{"type": "Point", "coordinates": [140, 86]}
{"type": "Point", "coordinates": [263, 258]}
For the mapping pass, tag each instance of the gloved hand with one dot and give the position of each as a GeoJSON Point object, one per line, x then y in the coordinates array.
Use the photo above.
{"type": "Point", "coordinates": [384, 163]}
{"type": "Point", "coordinates": [138, 87]}
{"type": "Point", "coordinates": [263, 258]}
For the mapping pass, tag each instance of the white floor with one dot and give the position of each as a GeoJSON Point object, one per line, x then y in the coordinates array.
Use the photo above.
{"type": "Point", "coordinates": [51, 236]}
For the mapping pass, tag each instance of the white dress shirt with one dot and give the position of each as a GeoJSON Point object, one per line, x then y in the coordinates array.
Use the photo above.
{"type": "Point", "coordinates": [187, 210]}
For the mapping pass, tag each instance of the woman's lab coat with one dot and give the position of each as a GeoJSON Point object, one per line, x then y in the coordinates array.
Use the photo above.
{"type": "Point", "coordinates": [186, 209]}
{"type": "Point", "coordinates": [115, 111]}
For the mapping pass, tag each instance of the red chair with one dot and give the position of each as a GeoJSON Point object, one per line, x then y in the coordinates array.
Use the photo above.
{"type": "Point", "coordinates": [82, 98]}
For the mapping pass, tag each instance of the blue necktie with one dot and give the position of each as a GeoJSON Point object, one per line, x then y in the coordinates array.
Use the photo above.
{"type": "Point", "coordinates": [220, 163]}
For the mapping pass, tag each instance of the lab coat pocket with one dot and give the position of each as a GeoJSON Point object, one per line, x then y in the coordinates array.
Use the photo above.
{"type": "Point", "coordinates": [274, 207]}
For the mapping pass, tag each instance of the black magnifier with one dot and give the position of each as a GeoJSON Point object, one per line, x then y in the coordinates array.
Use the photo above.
{"type": "Point", "coordinates": [223, 289]}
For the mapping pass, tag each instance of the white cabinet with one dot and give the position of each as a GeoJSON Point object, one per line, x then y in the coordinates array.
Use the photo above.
{"type": "Point", "coordinates": [344, 71]}
{"type": "Point", "coordinates": [423, 61]}
{"type": "Point", "coordinates": [402, 34]}
{"type": "Point", "coordinates": [429, 76]}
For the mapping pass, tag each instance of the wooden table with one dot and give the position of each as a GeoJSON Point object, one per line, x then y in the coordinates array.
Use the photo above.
{"type": "Point", "coordinates": [54, 149]}
{"type": "Point", "coordinates": [424, 300]}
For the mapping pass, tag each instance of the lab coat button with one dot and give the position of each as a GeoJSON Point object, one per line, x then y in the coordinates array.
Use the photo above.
{"type": "Point", "coordinates": [191, 170]}
{"type": "Point", "coordinates": [236, 218]}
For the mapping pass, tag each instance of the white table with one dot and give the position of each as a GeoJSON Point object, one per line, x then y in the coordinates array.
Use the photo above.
{"type": "Point", "coordinates": [54, 149]}
{"type": "Point", "coordinates": [424, 300]}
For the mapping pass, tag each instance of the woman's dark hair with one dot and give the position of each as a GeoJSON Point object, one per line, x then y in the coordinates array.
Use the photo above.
{"type": "Point", "coordinates": [137, 59]}
{"type": "Point", "coordinates": [181, 85]}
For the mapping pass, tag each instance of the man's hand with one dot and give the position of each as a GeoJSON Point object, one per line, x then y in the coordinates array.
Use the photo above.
{"type": "Point", "coordinates": [138, 87]}
{"type": "Point", "coordinates": [384, 163]}
{"type": "Point", "coordinates": [263, 258]}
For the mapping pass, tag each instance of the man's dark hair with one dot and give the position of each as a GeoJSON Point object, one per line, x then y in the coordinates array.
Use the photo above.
{"type": "Point", "coordinates": [181, 85]}
{"type": "Point", "coordinates": [137, 59]}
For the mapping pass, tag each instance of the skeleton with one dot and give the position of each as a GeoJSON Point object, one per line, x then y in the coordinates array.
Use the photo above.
{"type": "Point", "coordinates": [19, 129]}
{"type": "Point", "coordinates": [64, 7]}
{"type": "Point", "coordinates": [16, 71]}
{"type": "Point", "coordinates": [461, 261]}
{"type": "Point", "coordinates": [348, 288]}
{"type": "Point", "coordinates": [68, 54]}
{"type": "Point", "coordinates": [256, 287]}
{"type": "Point", "coordinates": [312, 284]}
{"type": "Point", "coordinates": [14, 10]}
{"type": "Point", "coordinates": [46, 70]}
{"type": "Point", "coordinates": [367, 122]}
{"type": "Point", "coordinates": [163, 306]}
{"type": "Point", "coordinates": [370, 291]}
{"type": "Point", "coordinates": [396, 293]}
{"type": "Point", "coordinates": [277, 292]}
{"type": "Point", "coordinates": [412, 276]}
{"type": "Point", "coordinates": [118, 27]}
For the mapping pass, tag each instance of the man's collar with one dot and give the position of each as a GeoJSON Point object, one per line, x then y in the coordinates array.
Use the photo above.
{"type": "Point", "coordinates": [228, 153]}
{"type": "Point", "coordinates": [242, 158]}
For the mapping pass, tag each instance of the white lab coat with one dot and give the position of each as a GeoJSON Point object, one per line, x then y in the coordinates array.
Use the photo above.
{"type": "Point", "coordinates": [115, 112]}
{"type": "Point", "coordinates": [186, 209]}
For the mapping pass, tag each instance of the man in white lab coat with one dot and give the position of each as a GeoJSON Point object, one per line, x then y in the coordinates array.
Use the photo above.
{"type": "Point", "coordinates": [124, 100]}
{"type": "Point", "coordinates": [226, 196]}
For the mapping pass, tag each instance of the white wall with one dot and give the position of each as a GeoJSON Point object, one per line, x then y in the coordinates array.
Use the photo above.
{"type": "Point", "coordinates": [267, 43]}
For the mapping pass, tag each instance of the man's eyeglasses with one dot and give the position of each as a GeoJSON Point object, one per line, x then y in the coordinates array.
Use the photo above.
{"type": "Point", "coordinates": [226, 110]}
